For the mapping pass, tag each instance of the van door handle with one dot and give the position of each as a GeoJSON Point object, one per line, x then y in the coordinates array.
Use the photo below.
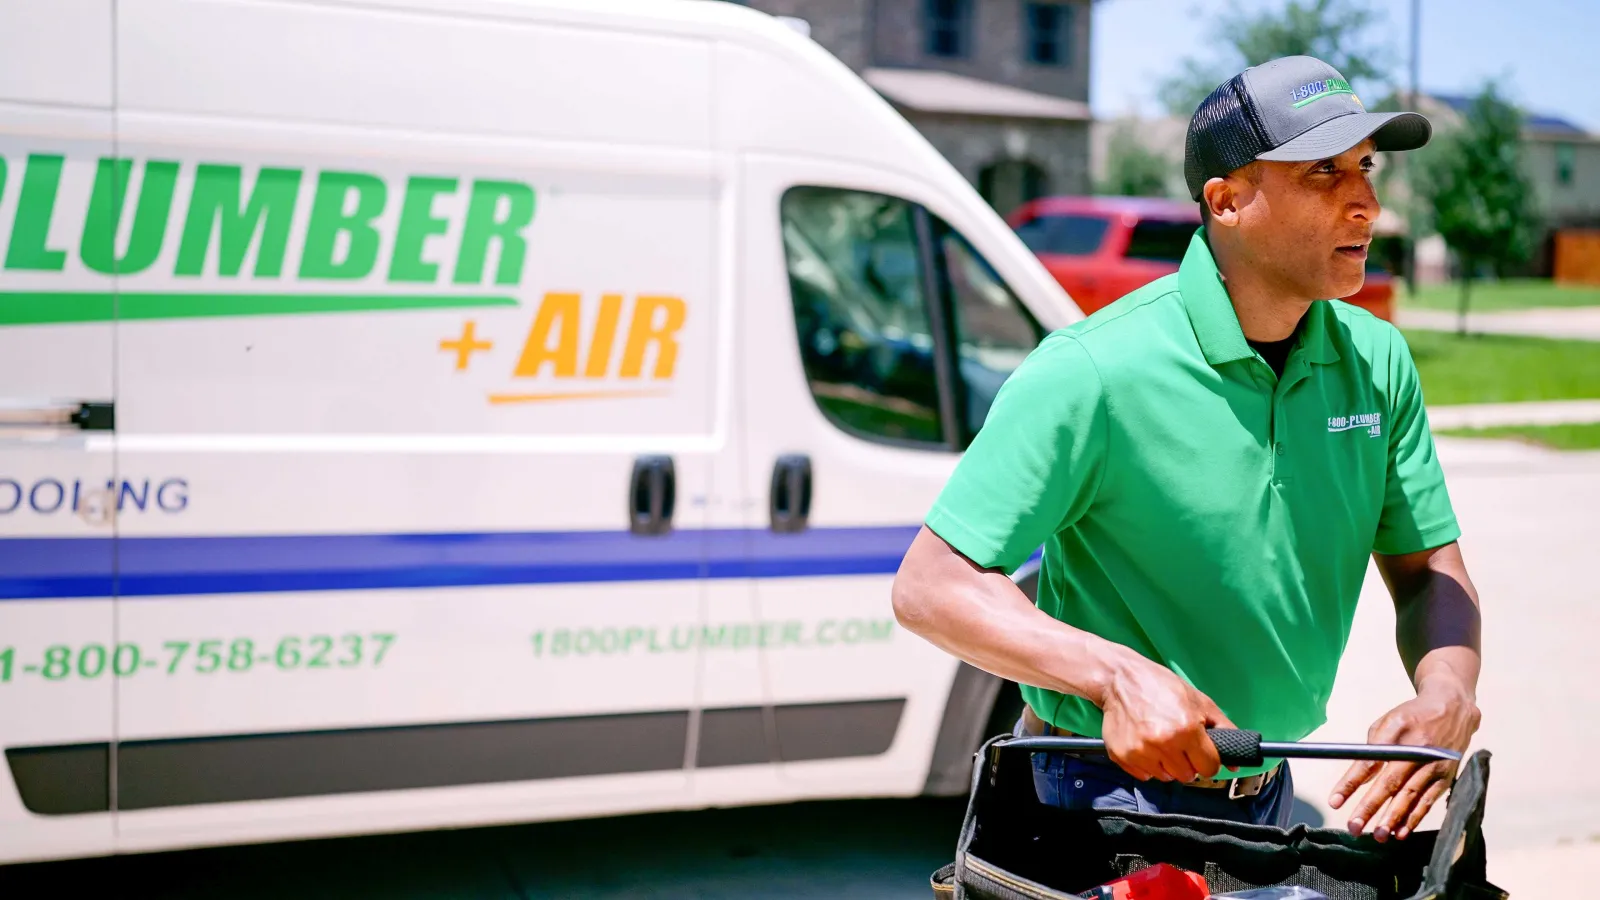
{"type": "Point", "coordinates": [791, 494]}
{"type": "Point", "coordinates": [652, 493]}
{"type": "Point", "coordinates": [90, 416]}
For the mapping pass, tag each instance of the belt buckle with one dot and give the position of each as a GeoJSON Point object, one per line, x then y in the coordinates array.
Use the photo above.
{"type": "Point", "coordinates": [1235, 792]}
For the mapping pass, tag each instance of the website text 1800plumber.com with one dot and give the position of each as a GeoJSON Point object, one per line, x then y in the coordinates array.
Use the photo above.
{"type": "Point", "coordinates": [611, 640]}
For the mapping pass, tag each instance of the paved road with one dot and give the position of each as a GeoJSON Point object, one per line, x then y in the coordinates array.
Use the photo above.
{"type": "Point", "coordinates": [1491, 415]}
{"type": "Point", "coordinates": [1575, 323]}
{"type": "Point", "coordinates": [878, 849]}
{"type": "Point", "coordinates": [1530, 517]}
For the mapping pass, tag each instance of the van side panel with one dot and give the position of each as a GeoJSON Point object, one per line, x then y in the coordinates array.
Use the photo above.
{"type": "Point", "coordinates": [385, 370]}
{"type": "Point", "coordinates": [64, 56]}
{"type": "Point", "coordinates": [57, 487]}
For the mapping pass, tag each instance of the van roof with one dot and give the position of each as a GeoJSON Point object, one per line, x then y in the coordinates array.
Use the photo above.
{"type": "Point", "coordinates": [775, 93]}
{"type": "Point", "coordinates": [695, 16]}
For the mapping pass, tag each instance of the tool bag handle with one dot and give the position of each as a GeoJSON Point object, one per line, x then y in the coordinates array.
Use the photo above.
{"type": "Point", "coordinates": [1240, 749]}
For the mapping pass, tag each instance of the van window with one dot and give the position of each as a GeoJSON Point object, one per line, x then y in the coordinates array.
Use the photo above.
{"type": "Point", "coordinates": [994, 332]}
{"type": "Point", "coordinates": [861, 313]}
{"type": "Point", "coordinates": [1162, 240]}
{"type": "Point", "coordinates": [1068, 235]}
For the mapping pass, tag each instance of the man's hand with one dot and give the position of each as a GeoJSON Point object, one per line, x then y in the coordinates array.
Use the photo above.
{"type": "Point", "coordinates": [1155, 723]}
{"type": "Point", "coordinates": [1437, 627]}
{"type": "Point", "coordinates": [1440, 717]}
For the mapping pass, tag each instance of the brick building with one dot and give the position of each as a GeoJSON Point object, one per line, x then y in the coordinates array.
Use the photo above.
{"type": "Point", "coordinates": [1000, 87]}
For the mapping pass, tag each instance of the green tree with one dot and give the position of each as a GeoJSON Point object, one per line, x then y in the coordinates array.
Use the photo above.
{"type": "Point", "coordinates": [1334, 31]}
{"type": "Point", "coordinates": [1476, 194]}
{"type": "Point", "coordinates": [1132, 169]}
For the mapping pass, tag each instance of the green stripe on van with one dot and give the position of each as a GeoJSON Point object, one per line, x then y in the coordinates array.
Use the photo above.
{"type": "Point", "coordinates": [58, 307]}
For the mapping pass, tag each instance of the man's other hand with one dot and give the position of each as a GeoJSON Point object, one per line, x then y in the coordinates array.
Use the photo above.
{"type": "Point", "coordinates": [1155, 723]}
{"type": "Point", "coordinates": [1399, 795]}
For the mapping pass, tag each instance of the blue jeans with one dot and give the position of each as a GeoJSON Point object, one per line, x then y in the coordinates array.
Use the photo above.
{"type": "Point", "coordinates": [1095, 782]}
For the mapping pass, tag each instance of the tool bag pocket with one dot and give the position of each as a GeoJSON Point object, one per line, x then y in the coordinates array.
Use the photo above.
{"type": "Point", "coordinates": [1012, 847]}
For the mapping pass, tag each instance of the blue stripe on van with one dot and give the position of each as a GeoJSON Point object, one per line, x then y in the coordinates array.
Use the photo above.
{"type": "Point", "coordinates": [39, 568]}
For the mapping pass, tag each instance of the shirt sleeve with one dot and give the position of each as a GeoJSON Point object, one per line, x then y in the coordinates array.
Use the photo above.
{"type": "Point", "coordinates": [1417, 514]}
{"type": "Point", "coordinates": [1033, 468]}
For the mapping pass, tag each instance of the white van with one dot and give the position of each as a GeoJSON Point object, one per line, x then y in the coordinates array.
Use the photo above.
{"type": "Point", "coordinates": [422, 413]}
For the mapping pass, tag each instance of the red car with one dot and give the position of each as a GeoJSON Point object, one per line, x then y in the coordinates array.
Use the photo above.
{"type": "Point", "coordinates": [1100, 248]}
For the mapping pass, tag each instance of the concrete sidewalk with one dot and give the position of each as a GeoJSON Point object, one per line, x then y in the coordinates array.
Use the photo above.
{"type": "Point", "coordinates": [1580, 323]}
{"type": "Point", "coordinates": [1562, 871]}
{"type": "Point", "coordinates": [1494, 415]}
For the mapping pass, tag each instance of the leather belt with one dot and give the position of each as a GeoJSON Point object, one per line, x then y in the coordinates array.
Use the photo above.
{"type": "Point", "coordinates": [1237, 788]}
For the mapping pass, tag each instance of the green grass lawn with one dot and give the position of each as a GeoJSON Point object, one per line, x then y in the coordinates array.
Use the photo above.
{"type": "Point", "coordinates": [1559, 437]}
{"type": "Point", "coordinates": [1499, 296]}
{"type": "Point", "coordinates": [1483, 368]}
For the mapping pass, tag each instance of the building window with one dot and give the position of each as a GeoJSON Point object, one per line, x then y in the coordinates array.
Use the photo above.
{"type": "Point", "coordinates": [1564, 161]}
{"type": "Point", "coordinates": [947, 25]}
{"type": "Point", "coordinates": [1009, 183]}
{"type": "Point", "coordinates": [1048, 34]}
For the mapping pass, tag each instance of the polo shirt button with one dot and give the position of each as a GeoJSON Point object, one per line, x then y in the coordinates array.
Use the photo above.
{"type": "Point", "coordinates": [1280, 449]}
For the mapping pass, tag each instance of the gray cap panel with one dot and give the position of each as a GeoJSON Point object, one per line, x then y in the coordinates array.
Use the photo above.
{"type": "Point", "coordinates": [1297, 93]}
{"type": "Point", "coordinates": [1293, 109]}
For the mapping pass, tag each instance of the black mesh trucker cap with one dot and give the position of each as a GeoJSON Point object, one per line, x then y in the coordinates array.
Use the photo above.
{"type": "Point", "coordinates": [1294, 109]}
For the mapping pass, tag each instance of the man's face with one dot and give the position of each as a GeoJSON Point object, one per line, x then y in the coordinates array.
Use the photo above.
{"type": "Point", "coordinates": [1309, 224]}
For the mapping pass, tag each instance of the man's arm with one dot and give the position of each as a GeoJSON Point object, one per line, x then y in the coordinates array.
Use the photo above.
{"type": "Point", "coordinates": [1154, 721]}
{"type": "Point", "coordinates": [1438, 630]}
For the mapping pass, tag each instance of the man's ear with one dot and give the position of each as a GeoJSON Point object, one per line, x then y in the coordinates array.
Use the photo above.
{"type": "Point", "coordinates": [1223, 201]}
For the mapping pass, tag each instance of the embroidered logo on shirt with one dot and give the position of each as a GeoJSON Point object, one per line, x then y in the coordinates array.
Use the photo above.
{"type": "Point", "coordinates": [1372, 422]}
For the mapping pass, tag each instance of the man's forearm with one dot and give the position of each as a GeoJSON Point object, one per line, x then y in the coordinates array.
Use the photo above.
{"type": "Point", "coordinates": [1438, 625]}
{"type": "Point", "coordinates": [1439, 635]}
{"type": "Point", "coordinates": [983, 618]}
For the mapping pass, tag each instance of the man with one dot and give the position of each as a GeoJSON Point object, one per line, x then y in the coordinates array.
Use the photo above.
{"type": "Point", "coordinates": [1208, 464]}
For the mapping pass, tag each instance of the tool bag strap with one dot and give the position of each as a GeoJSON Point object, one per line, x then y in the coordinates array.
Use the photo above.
{"type": "Point", "coordinates": [1458, 869]}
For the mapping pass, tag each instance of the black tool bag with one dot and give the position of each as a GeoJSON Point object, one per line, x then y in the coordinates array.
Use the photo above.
{"type": "Point", "coordinates": [1012, 847]}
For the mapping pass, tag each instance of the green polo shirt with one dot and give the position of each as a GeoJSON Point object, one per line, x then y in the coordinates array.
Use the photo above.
{"type": "Point", "coordinates": [1195, 507]}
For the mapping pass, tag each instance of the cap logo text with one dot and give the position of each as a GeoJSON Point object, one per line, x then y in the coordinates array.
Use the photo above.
{"type": "Point", "coordinates": [1313, 91]}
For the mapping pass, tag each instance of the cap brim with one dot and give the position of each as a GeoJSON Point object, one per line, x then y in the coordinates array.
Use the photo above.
{"type": "Point", "coordinates": [1390, 131]}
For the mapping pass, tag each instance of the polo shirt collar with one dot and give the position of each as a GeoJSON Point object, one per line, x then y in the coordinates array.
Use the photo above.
{"type": "Point", "coordinates": [1216, 325]}
{"type": "Point", "coordinates": [1316, 341]}
{"type": "Point", "coordinates": [1211, 313]}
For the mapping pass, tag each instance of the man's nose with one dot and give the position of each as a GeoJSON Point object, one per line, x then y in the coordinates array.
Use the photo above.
{"type": "Point", "coordinates": [1363, 202]}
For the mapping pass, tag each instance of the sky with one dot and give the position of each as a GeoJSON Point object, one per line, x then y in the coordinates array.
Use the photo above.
{"type": "Point", "coordinates": [1546, 51]}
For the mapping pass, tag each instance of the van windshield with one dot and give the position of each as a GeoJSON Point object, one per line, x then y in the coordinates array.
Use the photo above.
{"type": "Point", "coordinates": [1066, 235]}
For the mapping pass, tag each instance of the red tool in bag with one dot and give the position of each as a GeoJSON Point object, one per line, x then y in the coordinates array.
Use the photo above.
{"type": "Point", "coordinates": [1158, 882]}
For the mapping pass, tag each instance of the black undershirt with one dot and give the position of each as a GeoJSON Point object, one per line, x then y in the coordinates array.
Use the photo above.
{"type": "Point", "coordinates": [1276, 353]}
